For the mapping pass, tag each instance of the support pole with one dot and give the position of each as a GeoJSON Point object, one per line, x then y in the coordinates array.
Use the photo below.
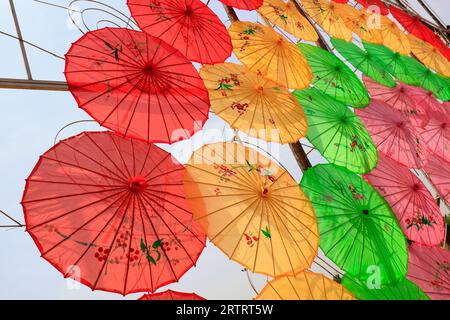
{"type": "Point", "coordinates": [6, 83]}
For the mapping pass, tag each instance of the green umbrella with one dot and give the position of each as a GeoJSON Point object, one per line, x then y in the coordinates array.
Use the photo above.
{"type": "Point", "coordinates": [403, 290]}
{"type": "Point", "coordinates": [393, 63]}
{"type": "Point", "coordinates": [429, 80]}
{"type": "Point", "coordinates": [365, 62]}
{"type": "Point", "coordinates": [336, 132]}
{"type": "Point", "coordinates": [334, 77]}
{"type": "Point", "coordinates": [358, 230]}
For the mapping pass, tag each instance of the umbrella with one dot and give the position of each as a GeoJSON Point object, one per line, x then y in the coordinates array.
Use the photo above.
{"type": "Point", "coordinates": [367, 63]}
{"type": "Point", "coordinates": [334, 78]}
{"type": "Point", "coordinates": [252, 209]}
{"type": "Point", "coordinates": [438, 171]}
{"type": "Point", "coordinates": [286, 16]}
{"type": "Point", "coordinates": [171, 295]}
{"type": "Point", "coordinates": [429, 55]}
{"type": "Point", "coordinates": [429, 268]}
{"type": "Point", "coordinates": [371, 4]}
{"type": "Point", "coordinates": [324, 13]}
{"type": "Point", "coordinates": [392, 133]}
{"type": "Point", "coordinates": [337, 133]}
{"type": "Point", "coordinates": [393, 63]}
{"type": "Point", "coordinates": [253, 104]}
{"type": "Point", "coordinates": [358, 230]}
{"type": "Point", "coordinates": [404, 98]}
{"type": "Point", "coordinates": [136, 85]}
{"type": "Point", "coordinates": [111, 213]}
{"type": "Point", "coordinates": [340, 1]}
{"type": "Point", "coordinates": [243, 4]}
{"type": "Point", "coordinates": [188, 25]}
{"type": "Point", "coordinates": [393, 37]}
{"type": "Point", "coordinates": [265, 51]}
{"type": "Point", "coordinates": [304, 286]}
{"type": "Point", "coordinates": [403, 290]}
{"type": "Point", "coordinates": [416, 210]}
{"type": "Point", "coordinates": [436, 134]}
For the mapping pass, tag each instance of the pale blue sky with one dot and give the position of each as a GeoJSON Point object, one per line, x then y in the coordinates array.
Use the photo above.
{"type": "Point", "coordinates": [30, 121]}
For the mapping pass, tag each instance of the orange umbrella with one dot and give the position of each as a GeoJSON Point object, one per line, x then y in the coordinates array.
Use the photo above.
{"type": "Point", "coordinates": [304, 286]}
{"type": "Point", "coordinates": [265, 51]}
{"type": "Point", "coordinates": [393, 37]}
{"type": "Point", "coordinates": [429, 55]}
{"type": "Point", "coordinates": [252, 209]}
{"type": "Point", "coordinates": [253, 104]}
{"type": "Point", "coordinates": [286, 16]}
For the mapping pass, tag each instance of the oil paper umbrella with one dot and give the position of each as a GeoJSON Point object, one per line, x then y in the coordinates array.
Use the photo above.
{"type": "Point", "coordinates": [337, 133]}
{"type": "Point", "coordinates": [417, 212]}
{"type": "Point", "coordinates": [393, 134]}
{"type": "Point", "coordinates": [373, 5]}
{"type": "Point", "coordinates": [253, 104]}
{"type": "Point", "coordinates": [438, 171]}
{"type": "Point", "coordinates": [265, 51]}
{"type": "Point", "coordinates": [188, 25]}
{"type": "Point", "coordinates": [324, 13]}
{"type": "Point", "coordinates": [171, 295]}
{"type": "Point", "coordinates": [429, 268]}
{"type": "Point", "coordinates": [243, 4]}
{"type": "Point", "coordinates": [136, 85]}
{"type": "Point", "coordinates": [403, 290]}
{"type": "Point", "coordinates": [436, 134]}
{"type": "Point", "coordinates": [367, 63]}
{"type": "Point", "coordinates": [286, 16]}
{"type": "Point", "coordinates": [358, 230]}
{"type": "Point", "coordinates": [252, 209]}
{"type": "Point", "coordinates": [393, 37]}
{"type": "Point", "coordinates": [304, 286]}
{"type": "Point", "coordinates": [429, 56]}
{"type": "Point", "coordinates": [111, 213]}
{"type": "Point", "coordinates": [334, 78]}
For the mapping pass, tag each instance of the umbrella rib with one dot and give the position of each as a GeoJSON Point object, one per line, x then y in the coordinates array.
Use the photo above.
{"type": "Point", "coordinates": [223, 208]}
{"type": "Point", "coordinates": [129, 245]}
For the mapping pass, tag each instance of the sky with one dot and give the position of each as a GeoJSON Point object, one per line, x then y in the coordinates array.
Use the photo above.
{"type": "Point", "coordinates": [30, 122]}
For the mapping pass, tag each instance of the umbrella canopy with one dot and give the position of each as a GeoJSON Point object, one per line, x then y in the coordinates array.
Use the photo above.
{"type": "Point", "coordinates": [429, 268]}
{"type": "Point", "coordinates": [243, 4]}
{"type": "Point", "coordinates": [413, 205]}
{"type": "Point", "coordinates": [337, 133]}
{"type": "Point", "coordinates": [253, 104]}
{"type": "Point", "coordinates": [403, 290]}
{"type": "Point", "coordinates": [436, 134]}
{"type": "Point", "coordinates": [265, 51]}
{"type": "Point", "coordinates": [334, 78]}
{"type": "Point", "coordinates": [286, 16]}
{"type": "Point", "coordinates": [136, 85]}
{"type": "Point", "coordinates": [188, 25]}
{"type": "Point", "coordinates": [372, 4]}
{"type": "Point", "coordinates": [367, 63]}
{"type": "Point", "coordinates": [304, 286]}
{"type": "Point", "coordinates": [392, 133]}
{"type": "Point", "coordinates": [358, 230]}
{"type": "Point", "coordinates": [171, 295]}
{"type": "Point", "coordinates": [393, 37]}
{"type": "Point", "coordinates": [438, 171]}
{"type": "Point", "coordinates": [324, 13]}
{"type": "Point", "coordinates": [111, 213]}
{"type": "Point", "coordinates": [252, 209]}
{"type": "Point", "coordinates": [429, 55]}
{"type": "Point", "coordinates": [407, 99]}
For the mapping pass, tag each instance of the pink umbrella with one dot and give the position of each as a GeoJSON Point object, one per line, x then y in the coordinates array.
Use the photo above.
{"type": "Point", "coordinates": [436, 134]}
{"type": "Point", "coordinates": [438, 171]}
{"type": "Point", "coordinates": [392, 133]}
{"type": "Point", "coordinates": [413, 205]}
{"type": "Point", "coordinates": [407, 99]}
{"type": "Point", "coordinates": [429, 268]}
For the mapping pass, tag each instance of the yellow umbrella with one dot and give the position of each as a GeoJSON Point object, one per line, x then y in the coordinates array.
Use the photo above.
{"type": "Point", "coordinates": [265, 51]}
{"type": "Point", "coordinates": [304, 286]}
{"type": "Point", "coordinates": [252, 209]}
{"type": "Point", "coordinates": [429, 55]}
{"type": "Point", "coordinates": [286, 16]}
{"type": "Point", "coordinates": [393, 37]}
{"type": "Point", "coordinates": [325, 14]}
{"type": "Point", "coordinates": [253, 104]}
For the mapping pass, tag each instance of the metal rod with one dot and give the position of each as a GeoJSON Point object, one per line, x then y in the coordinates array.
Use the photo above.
{"type": "Point", "coordinates": [432, 14]}
{"type": "Point", "coordinates": [6, 83]}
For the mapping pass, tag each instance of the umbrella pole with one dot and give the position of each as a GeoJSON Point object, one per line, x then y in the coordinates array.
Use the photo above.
{"type": "Point", "coordinates": [16, 225]}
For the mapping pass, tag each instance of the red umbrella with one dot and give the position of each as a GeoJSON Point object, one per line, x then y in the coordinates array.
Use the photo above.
{"type": "Point", "coordinates": [111, 213]}
{"type": "Point", "coordinates": [416, 211]}
{"type": "Point", "coordinates": [188, 25]}
{"type": "Point", "coordinates": [374, 3]}
{"type": "Point", "coordinates": [436, 134]}
{"type": "Point", "coordinates": [429, 268]}
{"type": "Point", "coordinates": [136, 85]}
{"type": "Point", "coordinates": [392, 133]}
{"type": "Point", "coordinates": [438, 171]}
{"type": "Point", "coordinates": [340, 1]}
{"type": "Point", "coordinates": [171, 295]}
{"type": "Point", "coordinates": [243, 4]}
{"type": "Point", "coordinates": [405, 98]}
